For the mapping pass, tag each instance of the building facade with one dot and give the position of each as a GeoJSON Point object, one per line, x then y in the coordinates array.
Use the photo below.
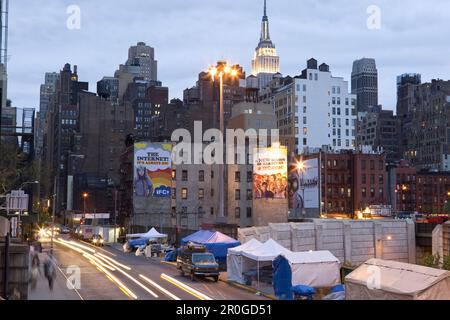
{"type": "Point", "coordinates": [425, 130]}
{"type": "Point", "coordinates": [313, 109]}
{"type": "Point", "coordinates": [365, 83]}
{"type": "Point", "coordinates": [380, 129]}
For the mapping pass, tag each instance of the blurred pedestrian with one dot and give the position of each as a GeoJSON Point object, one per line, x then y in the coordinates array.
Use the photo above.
{"type": "Point", "coordinates": [50, 272]}
{"type": "Point", "coordinates": [35, 271]}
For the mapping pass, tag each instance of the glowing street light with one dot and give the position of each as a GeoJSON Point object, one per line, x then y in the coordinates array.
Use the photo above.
{"type": "Point", "coordinates": [222, 68]}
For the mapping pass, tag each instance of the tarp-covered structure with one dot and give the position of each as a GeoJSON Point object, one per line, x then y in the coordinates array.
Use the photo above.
{"type": "Point", "coordinates": [391, 280]}
{"type": "Point", "coordinates": [316, 269]}
{"type": "Point", "coordinates": [144, 238]}
{"type": "Point", "coordinates": [215, 242]}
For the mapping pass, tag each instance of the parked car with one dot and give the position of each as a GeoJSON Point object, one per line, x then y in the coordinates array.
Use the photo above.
{"type": "Point", "coordinates": [97, 240]}
{"type": "Point", "coordinates": [195, 261]}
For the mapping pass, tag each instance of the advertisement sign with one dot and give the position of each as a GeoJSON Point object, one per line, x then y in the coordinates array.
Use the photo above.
{"type": "Point", "coordinates": [270, 173]}
{"type": "Point", "coordinates": [304, 184]}
{"type": "Point", "coordinates": [152, 170]}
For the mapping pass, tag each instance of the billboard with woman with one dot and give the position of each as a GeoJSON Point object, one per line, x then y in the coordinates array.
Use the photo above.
{"type": "Point", "coordinates": [152, 170]}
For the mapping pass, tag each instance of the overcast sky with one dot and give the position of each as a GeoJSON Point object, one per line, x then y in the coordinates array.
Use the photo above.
{"type": "Point", "coordinates": [190, 35]}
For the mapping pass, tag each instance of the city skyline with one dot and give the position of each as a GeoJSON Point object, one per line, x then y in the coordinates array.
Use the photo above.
{"type": "Point", "coordinates": [102, 42]}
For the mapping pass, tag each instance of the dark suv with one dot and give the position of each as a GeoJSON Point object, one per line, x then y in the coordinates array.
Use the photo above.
{"type": "Point", "coordinates": [195, 261]}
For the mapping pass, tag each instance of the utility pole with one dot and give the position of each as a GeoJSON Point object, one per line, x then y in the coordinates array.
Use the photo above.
{"type": "Point", "coordinates": [115, 214]}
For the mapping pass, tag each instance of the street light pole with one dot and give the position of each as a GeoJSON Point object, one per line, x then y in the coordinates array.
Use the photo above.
{"type": "Point", "coordinates": [115, 215]}
{"type": "Point", "coordinates": [222, 167]}
{"type": "Point", "coordinates": [221, 69]}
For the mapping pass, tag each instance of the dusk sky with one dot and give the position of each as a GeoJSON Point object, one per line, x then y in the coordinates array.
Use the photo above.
{"type": "Point", "coordinates": [190, 35]}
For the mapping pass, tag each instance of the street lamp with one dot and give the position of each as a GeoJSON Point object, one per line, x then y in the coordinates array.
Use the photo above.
{"type": "Point", "coordinates": [221, 69]}
{"type": "Point", "coordinates": [85, 196]}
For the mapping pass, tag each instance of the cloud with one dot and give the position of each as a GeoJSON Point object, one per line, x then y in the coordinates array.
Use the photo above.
{"type": "Point", "coordinates": [190, 35]}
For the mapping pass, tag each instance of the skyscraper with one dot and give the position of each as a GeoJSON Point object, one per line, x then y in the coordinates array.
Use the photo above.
{"type": "Point", "coordinates": [365, 83]}
{"type": "Point", "coordinates": [143, 56]}
{"type": "Point", "coordinates": [266, 62]}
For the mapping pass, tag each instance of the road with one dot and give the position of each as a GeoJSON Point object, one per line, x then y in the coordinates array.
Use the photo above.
{"type": "Point", "coordinates": [109, 274]}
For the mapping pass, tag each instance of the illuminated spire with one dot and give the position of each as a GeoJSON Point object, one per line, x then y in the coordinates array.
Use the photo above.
{"type": "Point", "coordinates": [265, 36]}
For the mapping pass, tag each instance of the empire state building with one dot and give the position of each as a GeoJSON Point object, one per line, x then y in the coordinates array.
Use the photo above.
{"type": "Point", "coordinates": [266, 62]}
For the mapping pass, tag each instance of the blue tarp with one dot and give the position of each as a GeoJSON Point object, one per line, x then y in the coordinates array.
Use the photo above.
{"type": "Point", "coordinates": [282, 278]}
{"type": "Point", "coordinates": [137, 243]}
{"type": "Point", "coordinates": [215, 242]}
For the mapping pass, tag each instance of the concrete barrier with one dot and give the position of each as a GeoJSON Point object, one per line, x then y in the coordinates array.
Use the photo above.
{"type": "Point", "coordinates": [351, 241]}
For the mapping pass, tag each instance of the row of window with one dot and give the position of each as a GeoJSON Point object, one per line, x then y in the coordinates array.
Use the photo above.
{"type": "Point", "coordinates": [201, 176]}
{"type": "Point", "coordinates": [201, 194]}
{"type": "Point", "coordinates": [237, 211]}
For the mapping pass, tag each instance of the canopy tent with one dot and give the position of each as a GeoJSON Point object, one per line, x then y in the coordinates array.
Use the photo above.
{"type": "Point", "coordinates": [255, 257]}
{"type": "Point", "coordinates": [316, 269]}
{"type": "Point", "coordinates": [266, 252]}
{"type": "Point", "coordinates": [234, 259]}
{"type": "Point", "coordinates": [152, 234]}
{"type": "Point", "coordinates": [143, 238]}
{"type": "Point", "coordinates": [215, 242]}
{"type": "Point", "coordinates": [390, 280]}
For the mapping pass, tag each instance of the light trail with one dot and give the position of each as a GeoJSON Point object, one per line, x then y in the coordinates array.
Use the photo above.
{"type": "Point", "coordinates": [185, 287]}
{"type": "Point", "coordinates": [171, 295]}
{"type": "Point", "coordinates": [111, 260]}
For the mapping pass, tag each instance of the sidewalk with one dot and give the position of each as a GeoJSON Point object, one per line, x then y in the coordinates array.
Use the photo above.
{"type": "Point", "coordinates": [60, 290]}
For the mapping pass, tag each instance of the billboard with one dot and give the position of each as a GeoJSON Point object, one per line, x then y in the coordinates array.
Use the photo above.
{"type": "Point", "coordinates": [152, 170]}
{"type": "Point", "coordinates": [270, 173]}
{"type": "Point", "coordinates": [304, 184]}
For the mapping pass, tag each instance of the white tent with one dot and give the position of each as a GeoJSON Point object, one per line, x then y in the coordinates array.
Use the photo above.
{"type": "Point", "coordinates": [317, 269]}
{"type": "Point", "coordinates": [152, 234]}
{"type": "Point", "coordinates": [234, 259]}
{"type": "Point", "coordinates": [268, 251]}
{"type": "Point", "coordinates": [263, 254]}
{"type": "Point", "coordinates": [390, 280]}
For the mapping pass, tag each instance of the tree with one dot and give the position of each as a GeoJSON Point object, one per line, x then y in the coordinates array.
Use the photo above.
{"type": "Point", "coordinates": [9, 162]}
{"type": "Point", "coordinates": [446, 264]}
{"type": "Point", "coordinates": [432, 261]}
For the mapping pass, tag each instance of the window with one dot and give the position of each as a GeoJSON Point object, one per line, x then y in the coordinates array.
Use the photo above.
{"type": "Point", "coordinates": [333, 100]}
{"type": "Point", "coordinates": [305, 120]}
{"type": "Point", "coordinates": [372, 192]}
{"type": "Point", "coordinates": [364, 192]}
{"type": "Point", "coordinates": [304, 109]}
{"type": "Point", "coordinates": [249, 176]}
{"type": "Point", "coordinates": [237, 194]}
{"type": "Point", "coordinates": [174, 193]}
{"type": "Point", "coordinates": [201, 194]}
{"type": "Point", "coordinates": [184, 193]}
{"type": "Point", "coordinates": [304, 88]}
{"type": "Point", "coordinates": [212, 192]}
{"type": "Point", "coordinates": [372, 179]}
{"type": "Point", "coordinates": [212, 211]}
{"type": "Point", "coordinates": [363, 164]}
{"type": "Point", "coordinates": [184, 175]}
{"type": "Point", "coordinates": [212, 174]}
{"type": "Point", "coordinates": [305, 131]}
{"type": "Point", "coordinates": [237, 176]}
{"type": "Point", "coordinates": [249, 212]}
{"type": "Point", "coordinates": [237, 213]}
{"type": "Point", "coordinates": [372, 165]}
{"type": "Point", "coordinates": [305, 141]}
{"type": "Point", "coordinates": [316, 76]}
{"type": "Point", "coordinates": [201, 176]}
{"type": "Point", "coordinates": [249, 194]}
{"type": "Point", "coordinates": [381, 165]}
{"type": "Point", "coordinates": [184, 210]}
{"type": "Point", "coordinates": [174, 174]}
